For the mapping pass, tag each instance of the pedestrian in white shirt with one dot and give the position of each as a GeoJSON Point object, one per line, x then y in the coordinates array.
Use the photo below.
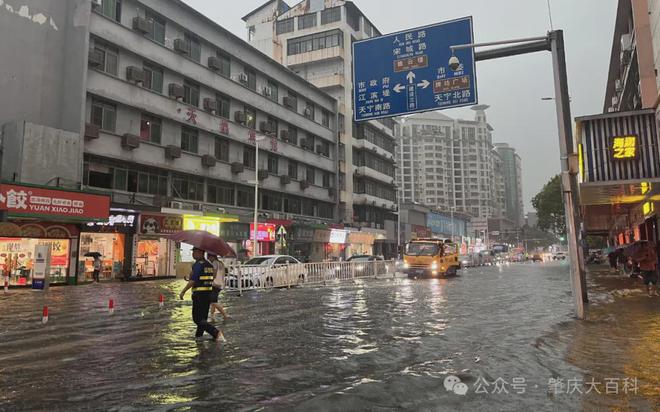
{"type": "Point", "coordinates": [218, 284]}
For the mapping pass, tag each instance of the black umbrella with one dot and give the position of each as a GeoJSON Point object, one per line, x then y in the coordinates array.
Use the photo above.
{"type": "Point", "coordinates": [93, 254]}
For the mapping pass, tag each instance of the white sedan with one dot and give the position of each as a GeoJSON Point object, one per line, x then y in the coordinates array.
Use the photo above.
{"type": "Point", "coordinates": [270, 271]}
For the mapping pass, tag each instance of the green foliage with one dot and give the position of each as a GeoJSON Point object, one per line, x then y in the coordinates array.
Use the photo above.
{"type": "Point", "coordinates": [549, 207]}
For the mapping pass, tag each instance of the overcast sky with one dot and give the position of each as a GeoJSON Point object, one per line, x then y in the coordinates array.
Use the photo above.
{"type": "Point", "coordinates": [513, 87]}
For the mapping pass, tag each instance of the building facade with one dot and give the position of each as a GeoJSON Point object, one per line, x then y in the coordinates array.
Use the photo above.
{"type": "Point", "coordinates": [313, 38]}
{"type": "Point", "coordinates": [152, 102]}
{"type": "Point", "coordinates": [512, 173]}
{"type": "Point", "coordinates": [449, 164]}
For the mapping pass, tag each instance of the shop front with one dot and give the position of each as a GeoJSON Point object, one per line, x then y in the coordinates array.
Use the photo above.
{"type": "Point", "coordinates": [301, 242]}
{"type": "Point", "coordinates": [236, 235]}
{"type": "Point", "coordinates": [208, 223]}
{"type": "Point", "coordinates": [112, 240]}
{"type": "Point", "coordinates": [266, 236]}
{"type": "Point", "coordinates": [38, 216]}
{"type": "Point", "coordinates": [336, 246]}
{"type": "Point", "coordinates": [156, 254]}
{"type": "Point", "coordinates": [360, 243]}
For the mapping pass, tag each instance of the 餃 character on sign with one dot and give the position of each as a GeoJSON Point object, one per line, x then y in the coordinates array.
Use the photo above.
{"type": "Point", "coordinates": [17, 200]}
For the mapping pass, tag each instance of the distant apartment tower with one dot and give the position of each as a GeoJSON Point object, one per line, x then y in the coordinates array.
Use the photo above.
{"type": "Point", "coordinates": [449, 163]}
{"type": "Point", "coordinates": [313, 38]}
{"type": "Point", "coordinates": [512, 172]}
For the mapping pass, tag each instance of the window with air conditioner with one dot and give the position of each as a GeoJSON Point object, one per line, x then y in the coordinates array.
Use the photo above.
{"type": "Point", "coordinates": [194, 45]}
{"type": "Point", "coordinates": [109, 57]}
{"type": "Point", "coordinates": [111, 9]}
{"type": "Point", "coordinates": [150, 128]}
{"type": "Point", "coordinates": [224, 103]}
{"type": "Point", "coordinates": [104, 115]}
{"type": "Point", "coordinates": [222, 149]}
{"type": "Point", "coordinates": [191, 93]}
{"type": "Point", "coordinates": [157, 25]}
{"type": "Point", "coordinates": [250, 117]}
{"type": "Point", "coordinates": [189, 140]}
{"type": "Point", "coordinates": [153, 78]}
{"type": "Point", "coordinates": [251, 81]}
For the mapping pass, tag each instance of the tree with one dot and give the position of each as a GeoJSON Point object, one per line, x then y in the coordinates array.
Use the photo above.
{"type": "Point", "coordinates": [549, 207]}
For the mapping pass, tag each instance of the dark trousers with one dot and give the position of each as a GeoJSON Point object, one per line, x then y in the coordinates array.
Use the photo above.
{"type": "Point", "coordinates": [200, 313]}
{"type": "Point", "coordinates": [95, 275]}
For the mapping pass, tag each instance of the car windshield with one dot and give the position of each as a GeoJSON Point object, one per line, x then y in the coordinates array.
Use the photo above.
{"type": "Point", "coordinates": [259, 261]}
{"type": "Point", "coordinates": [422, 249]}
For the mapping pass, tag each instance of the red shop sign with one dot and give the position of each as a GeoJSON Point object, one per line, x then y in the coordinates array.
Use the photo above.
{"type": "Point", "coordinates": [35, 201]}
{"type": "Point", "coordinates": [265, 232]}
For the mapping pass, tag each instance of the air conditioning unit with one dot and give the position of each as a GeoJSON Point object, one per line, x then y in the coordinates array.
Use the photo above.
{"type": "Point", "coordinates": [176, 91]}
{"type": "Point", "coordinates": [141, 25]}
{"type": "Point", "coordinates": [304, 184]}
{"type": "Point", "coordinates": [176, 205]}
{"type": "Point", "coordinates": [284, 135]}
{"type": "Point", "coordinates": [243, 78]}
{"type": "Point", "coordinates": [290, 102]}
{"type": "Point", "coordinates": [285, 180]}
{"type": "Point", "coordinates": [237, 168]}
{"type": "Point", "coordinates": [181, 46]}
{"type": "Point", "coordinates": [263, 174]}
{"type": "Point", "coordinates": [208, 161]}
{"type": "Point", "coordinates": [615, 100]}
{"type": "Point", "coordinates": [95, 58]}
{"type": "Point", "coordinates": [172, 152]}
{"type": "Point", "coordinates": [626, 42]}
{"type": "Point", "coordinates": [239, 117]}
{"type": "Point", "coordinates": [618, 85]}
{"type": "Point", "coordinates": [268, 91]}
{"type": "Point", "coordinates": [130, 141]}
{"type": "Point", "coordinates": [215, 63]}
{"type": "Point", "coordinates": [134, 74]}
{"type": "Point", "coordinates": [211, 105]}
{"type": "Point", "coordinates": [265, 127]}
{"type": "Point", "coordinates": [91, 131]}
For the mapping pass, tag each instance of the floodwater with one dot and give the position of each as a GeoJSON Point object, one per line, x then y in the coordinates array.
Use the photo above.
{"type": "Point", "coordinates": [507, 333]}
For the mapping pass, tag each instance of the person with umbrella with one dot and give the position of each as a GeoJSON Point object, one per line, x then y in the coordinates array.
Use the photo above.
{"type": "Point", "coordinates": [201, 283]}
{"type": "Point", "coordinates": [97, 265]}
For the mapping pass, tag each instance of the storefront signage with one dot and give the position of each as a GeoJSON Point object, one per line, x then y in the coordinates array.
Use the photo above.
{"type": "Point", "coordinates": [338, 236]}
{"type": "Point", "coordinates": [361, 238]}
{"type": "Point", "coordinates": [234, 231]}
{"type": "Point", "coordinates": [265, 232]}
{"type": "Point", "coordinates": [116, 220]}
{"type": "Point", "coordinates": [321, 235]}
{"type": "Point", "coordinates": [441, 224]}
{"type": "Point", "coordinates": [207, 223]}
{"type": "Point", "coordinates": [160, 224]}
{"type": "Point", "coordinates": [624, 147]}
{"type": "Point", "coordinates": [34, 201]}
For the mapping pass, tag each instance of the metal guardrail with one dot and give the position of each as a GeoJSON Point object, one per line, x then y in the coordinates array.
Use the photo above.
{"type": "Point", "coordinates": [252, 277]}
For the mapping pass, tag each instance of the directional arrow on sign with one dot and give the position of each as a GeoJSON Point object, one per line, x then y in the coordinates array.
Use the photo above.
{"type": "Point", "coordinates": [411, 77]}
{"type": "Point", "coordinates": [398, 88]}
{"type": "Point", "coordinates": [424, 84]}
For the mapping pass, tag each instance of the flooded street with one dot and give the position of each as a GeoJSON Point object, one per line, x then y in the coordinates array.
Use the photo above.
{"type": "Point", "coordinates": [375, 345]}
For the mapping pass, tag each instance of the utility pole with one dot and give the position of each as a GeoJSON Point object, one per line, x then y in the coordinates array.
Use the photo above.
{"type": "Point", "coordinates": [554, 43]}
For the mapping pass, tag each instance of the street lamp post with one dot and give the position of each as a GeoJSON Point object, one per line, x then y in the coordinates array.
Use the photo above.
{"type": "Point", "coordinates": [255, 242]}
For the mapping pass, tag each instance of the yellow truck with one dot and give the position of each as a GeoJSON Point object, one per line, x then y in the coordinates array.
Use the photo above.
{"type": "Point", "coordinates": [431, 258]}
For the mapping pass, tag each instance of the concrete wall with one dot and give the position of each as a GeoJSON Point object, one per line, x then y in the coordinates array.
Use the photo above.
{"type": "Point", "coordinates": [44, 55]}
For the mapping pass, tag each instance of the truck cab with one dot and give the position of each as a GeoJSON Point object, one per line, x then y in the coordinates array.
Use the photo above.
{"type": "Point", "coordinates": [430, 258]}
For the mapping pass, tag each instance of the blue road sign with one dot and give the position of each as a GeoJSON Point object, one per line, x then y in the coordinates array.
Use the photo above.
{"type": "Point", "coordinates": [409, 71]}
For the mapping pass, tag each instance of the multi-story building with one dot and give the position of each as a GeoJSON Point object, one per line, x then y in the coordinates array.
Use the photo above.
{"type": "Point", "coordinates": [448, 163]}
{"type": "Point", "coordinates": [313, 38]}
{"type": "Point", "coordinates": [512, 173]}
{"type": "Point", "coordinates": [164, 108]}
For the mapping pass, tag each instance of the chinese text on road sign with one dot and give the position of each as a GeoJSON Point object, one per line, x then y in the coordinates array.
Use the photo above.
{"type": "Point", "coordinates": [409, 71]}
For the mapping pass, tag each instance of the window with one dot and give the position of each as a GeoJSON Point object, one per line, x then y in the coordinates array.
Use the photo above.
{"type": "Point", "coordinates": [222, 149]}
{"type": "Point", "coordinates": [326, 211]}
{"type": "Point", "coordinates": [150, 128]}
{"type": "Point", "coordinates": [190, 93]}
{"type": "Point", "coordinates": [111, 9]}
{"type": "Point", "coordinates": [368, 28]}
{"type": "Point", "coordinates": [325, 118]}
{"type": "Point", "coordinates": [271, 201]}
{"type": "Point", "coordinates": [188, 187]}
{"type": "Point", "coordinates": [309, 177]}
{"type": "Point", "coordinates": [250, 117]}
{"type": "Point", "coordinates": [274, 92]}
{"type": "Point", "coordinates": [104, 115]}
{"type": "Point", "coordinates": [326, 179]}
{"type": "Point", "coordinates": [292, 205]}
{"type": "Point", "coordinates": [330, 15]}
{"type": "Point", "coordinates": [293, 101]}
{"type": "Point", "coordinates": [284, 26]}
{"type": "Point", "coordinates": [251, 33]}
{"type": "Point", "coordinates": [306, 21]}
{"type": "Point", "coordinates": [293, 135]}
{"type": "Point", "coordinates": [308, 207]}
{"type": "Point", "coordinates": [157, 25]}
{"type": "Point", "coordinates": [309, 110]}
{"type": "Point", "coordinates": [324, 148]}
{"type": "Point", "coordinates": [251, 78]}
{"type": "Point", "coordinates": [189, 139]}
{"type": "Point", "coordinates": [353, 18]}
{"type": "Point", "coordinates": [219, 193]}
{"type": "Point", "coordinates": [153, 78]}
{"type": "Point", "coordinates": [273, 164]}
{"type": "Point", "coordinates": [245, 197]}
{"type": "Point", "coordinates": [223, 105]}
{"type": "Point", "coordinates": [293, 170]}
{"type": "Point", "coordinates": [248, 157]}
{"type": "Point", "coordinates": [195, 47]}
{"type": "Point", "coordinates": [313, 42]}
{"type": "Point", "coordinates": [107, 175]}
{"type": "Point", "coordinates": [110, 57]}
{"type": "Point", "coordinates": [225, 64]}
{"type": "Point", "coordinates": [272, 125]}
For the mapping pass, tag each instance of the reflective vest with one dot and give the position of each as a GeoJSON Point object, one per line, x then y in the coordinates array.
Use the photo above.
{"type": "Point", "coordinates": [205, 281]}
